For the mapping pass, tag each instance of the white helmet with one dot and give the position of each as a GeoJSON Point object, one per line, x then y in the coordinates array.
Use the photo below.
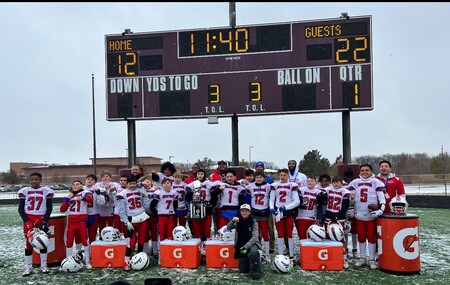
{"type": "Point", "coordinates": [347, 227]}
{"type": "Point", "coordinates": [335, 231]}
{"type": "Point", "coordinates": [225, 234]}
{"type": "Point", "coordinates": [110, 234]}
{"type": "Point", "coordinates": [398, 205]}
{"type": "Point", "coordinates": [70, 264]}
{"type": "Point", "coordinates": [282, 263]}
{"type": "Point", "coordinates": [316, 232]}
{"type": "Point", "coordinates": [179, 233]}
{"type": "Point", "coordinates": [139, 261]}
{"type": "Point", "coordinates": [38, 238]}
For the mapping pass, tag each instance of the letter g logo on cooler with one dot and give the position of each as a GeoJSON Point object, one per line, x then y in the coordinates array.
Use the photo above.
{"type": "Point", "coordinates": [224, 252]}
{"type": "Point", "coordinates": [109, 253]}
{"type": "Point", "coordinates": [322, 254]}
{"type": "Point", "coordinates": [178, 253]}
{"type": "Point", "coordinates": [406, 243]}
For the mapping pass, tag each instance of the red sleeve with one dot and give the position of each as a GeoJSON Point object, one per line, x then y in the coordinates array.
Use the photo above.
{"type": "Point", "coordinates": [64, 207]}
{"type": "Point", "coordinates": [400, 187]}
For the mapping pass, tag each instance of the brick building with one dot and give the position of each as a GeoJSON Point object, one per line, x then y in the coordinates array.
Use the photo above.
{"type": "Point", "coordinates": [53, 173]}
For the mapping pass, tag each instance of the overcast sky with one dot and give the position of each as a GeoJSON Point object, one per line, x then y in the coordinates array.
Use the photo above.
{"type": "Point", "coordinates": [49, 51]}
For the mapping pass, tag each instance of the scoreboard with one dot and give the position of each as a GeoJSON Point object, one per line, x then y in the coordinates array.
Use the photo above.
{"type": "Point", "coordinates": [269, 69]}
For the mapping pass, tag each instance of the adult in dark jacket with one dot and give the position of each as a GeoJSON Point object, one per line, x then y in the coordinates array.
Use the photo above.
{"type": "Point", "coordinates": [246, 242]}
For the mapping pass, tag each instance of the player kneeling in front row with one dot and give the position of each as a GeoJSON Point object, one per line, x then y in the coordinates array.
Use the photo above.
{"type": "Point", "coordinates": [246, 242]}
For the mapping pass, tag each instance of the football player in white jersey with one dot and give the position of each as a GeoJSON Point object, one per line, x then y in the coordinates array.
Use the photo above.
{"type": "Point", "coordinates": [132, 204]}
{"type": "Point", "coordinates": [367, 190]}
{"type": "Point", "coordinates": [145, 182]}
{"type": "Point", "coordinates": [201, 228]}
{"type": "Point", "coordinates": [336, 208]}
{"type": "Point", "coordinates": [77, 203]}
{"type": "Point", "coordinates": [167, 171]}
{"type": "Point", "coordinates": [259, 192]}
{"type": "Point", "coordinates": [116, 220]}
{"type": "Point", "coordinates": [35, 208]}
{"type": "Point", "coordinates": [283, 200]}
{"type": "Point", "coordinates": [93, 207]}
{"type": "Point", "coordinates": [232, 197]}
{"type": "Point", "coordinates": [164, 202]}
{"type": "Point", "coordinates": [108, 189]}
{"type": "Point", "coordinates": [307, 213]}
{"type": "Point", "coordinates": [182, 209]}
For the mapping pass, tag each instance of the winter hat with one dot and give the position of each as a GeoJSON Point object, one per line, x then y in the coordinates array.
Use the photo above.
{"type": "Point", "coordinates": [259, 163]}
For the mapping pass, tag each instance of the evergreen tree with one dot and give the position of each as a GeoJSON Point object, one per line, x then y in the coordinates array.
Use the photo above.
{"type": "Point", "coordinates": [314, 164]}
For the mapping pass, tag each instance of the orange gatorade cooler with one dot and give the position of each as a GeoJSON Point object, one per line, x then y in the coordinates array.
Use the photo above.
{"type": "Point", "coordinates": [182, 254]}
{"type": "Point", "coordinates": [325, 255]}
{"type": "Point", "coordinates": [108, 254]}
{"type": "Point", "coordinates": [398, 243]}
{"type": "Point", "coordinates": [220, 254]}
{"type": "Point", "coordinates": [56, 251]}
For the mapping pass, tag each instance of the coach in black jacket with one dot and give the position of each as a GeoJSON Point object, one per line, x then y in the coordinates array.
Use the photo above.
{"type": "Point", "coordinates": [246, 242]}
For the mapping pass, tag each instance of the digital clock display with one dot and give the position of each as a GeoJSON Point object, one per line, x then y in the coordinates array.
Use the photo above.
{"type": "Point", "coordinates": [235, 41]}
{"type": "Point", "coordinates": [270, 69]}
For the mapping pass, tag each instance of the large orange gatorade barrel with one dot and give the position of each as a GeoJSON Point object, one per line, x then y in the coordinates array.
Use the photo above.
{"type": "Point", "coordinates": [56, 251]}
{"type": "Point", "coordinates": [398, 243]}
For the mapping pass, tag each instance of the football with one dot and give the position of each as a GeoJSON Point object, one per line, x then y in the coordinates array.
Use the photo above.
{"type": "Point", "coordinates": [373, 207]}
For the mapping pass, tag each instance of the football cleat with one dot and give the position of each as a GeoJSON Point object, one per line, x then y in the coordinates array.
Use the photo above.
{"type": "Point", "coordinates": [373, 264]}
{"type": "Point", "coordinates": [27, 272]}
{"type": "Point", "coordinates": [360, 262]}
{"type": "Point", "coordinates": [355, 253]}
{"type": "Point", "coordinates": [345, 263]}
{"type": "Point", "coordinates": [126, 266]}
{"type": "Point", "coordinates": [88, 265]}
{"type": "Point", "coordinates": [44, 269]}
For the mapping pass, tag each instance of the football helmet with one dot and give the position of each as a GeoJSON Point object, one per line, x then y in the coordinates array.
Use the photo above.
{"type": "Point", "coordinates": [316, 232]}
{"type": "Point", "coordinates": [110, 234]}
{"type": "Point", "coordinates": [179, 233]}
{"type": "Point", "coordinates": [38, 238]}
{"type": "Point", "coordinates": [226, 235]}
{"type": "Point", "coordinates": [398, 205]}
{"type": "Point", "coordinates": [335, 232]}
{"type": "Point", "coordinates": [70, 264]}
{"type": "Point", "coordinates": [282, 263]}
{"type": "Point", "coordinates": [139, 261]}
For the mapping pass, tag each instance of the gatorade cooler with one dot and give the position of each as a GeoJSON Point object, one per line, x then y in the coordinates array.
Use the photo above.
{"type": "Point", "coordinates": [108, 254]}
{"type": "Point", "coordinates": [398, 243]}
{"type": "Point", "coordinates": [56, 251]}
{"type": "Point", "coordinates": [182, 254]}
{"type": "Point", "coordinates": [220, 254]}
{"type": "Point", "coordinates": [325, 255]}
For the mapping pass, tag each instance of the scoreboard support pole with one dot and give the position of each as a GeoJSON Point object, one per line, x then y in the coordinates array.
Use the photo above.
{"type": "Point", "coordinates": [235, 139]}
{"type": "Point", "coordinates": [131, 130]}
{"type": "Point", "coordinates": [346, 138]}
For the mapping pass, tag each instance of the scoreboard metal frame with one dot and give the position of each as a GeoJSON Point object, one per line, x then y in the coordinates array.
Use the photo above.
{"type": "Point", "coordinates": [268, 69]}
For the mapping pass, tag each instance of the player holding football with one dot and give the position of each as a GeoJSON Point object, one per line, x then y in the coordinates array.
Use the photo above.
{"type": "Point", "coordinates": [367, 190]}
{"type": "Point", "coordinates": [35, 208]}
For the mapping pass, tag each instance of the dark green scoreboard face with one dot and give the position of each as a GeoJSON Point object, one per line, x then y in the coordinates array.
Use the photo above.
{"type": "Point", "coordinates": [282, 68]}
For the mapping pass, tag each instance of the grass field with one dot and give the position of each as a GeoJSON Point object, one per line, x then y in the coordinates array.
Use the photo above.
{"type": "Point", "coordinates": [434, 254]}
